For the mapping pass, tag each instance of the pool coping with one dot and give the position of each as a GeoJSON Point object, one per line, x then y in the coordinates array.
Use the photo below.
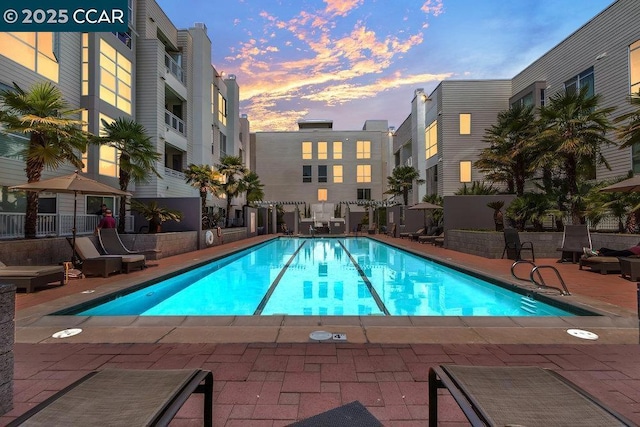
{"type": "Point", "coordinates": [616, 325]}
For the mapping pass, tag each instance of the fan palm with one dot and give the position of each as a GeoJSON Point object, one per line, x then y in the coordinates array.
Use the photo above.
{"type": "Point", "coordinates": [55, 135]}
{"type": "Point", "coordinates": [205, 179]}
{"type": "Point", "coordinates": [253, 187]}
{"type": "Point", "coordinates": [629, 133]}
{"type": "Point", "coordinates": [401, 182]}
{"type": "Point", "coordinates": [138, 155]}
{"type": "Point", "coordinates": [233, 173]}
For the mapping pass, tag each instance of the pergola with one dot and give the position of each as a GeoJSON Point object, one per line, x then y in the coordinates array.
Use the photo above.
{"type": "Point", "coordinates": [274, 214]}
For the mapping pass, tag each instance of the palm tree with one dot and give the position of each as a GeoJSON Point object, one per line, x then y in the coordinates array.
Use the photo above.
{"type": "Point", "coordinates": [478, 188]}
{"type": "Point", "coordinates": [138, 155]}
{"type": "Point", "coordinates": [155, 214]}
{"type": "Point", "coordinates": [401, 181]}
{"type": "Point", "coordinates": [253, 187]}
{"type": "Point", "coordinates": [233, 173]}
{"type": "Point", "coordinates": [509, 156]}
{"type": "Point", "coordinates": [204, 178]}
{"type": "Point", "coordinates": [629, 133]}
{"type": "Point", "coordinates": [574, 129]}
{"type": "Point", "coordinates": [55, 135]}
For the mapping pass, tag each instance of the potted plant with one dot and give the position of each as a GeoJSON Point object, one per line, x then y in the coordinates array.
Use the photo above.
{"type": "Point", "coordinates": [155, 214]}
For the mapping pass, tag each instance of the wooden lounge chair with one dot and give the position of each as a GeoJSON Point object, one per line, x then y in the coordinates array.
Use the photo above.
{"type": "Point", "coordinates": [601, 264]}
{"type": "Point", "coordinates": [123, 398]}
{"type": "Point", "coordinates": [391, 230]}
{"type": "Point", "coordinates": [94, 264]}
{"type": "Point", "coordinates": [513, 247]}
{"type": "Point", "coordinates": [28, 277]}
{"type": "Point", "coordinates": [518, 396]}
{"type": "Point", "coordinates": [574, 239]}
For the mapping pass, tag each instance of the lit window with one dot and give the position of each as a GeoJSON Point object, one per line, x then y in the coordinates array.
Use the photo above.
{"type": "Point", "coordinates": [84, 115]}
{"type": "Point", "coordinates": [363, 149]}
{"type": "Point", "coordinates": [222, 110]}
{"type": "Point", "coordinates": [85, 64]}
{"type": "Point", "coordinates": [307, 150]}
{"type": "Point", "coordinates": [322, 150]}
{"type": "Point", "coordinates": [306, 173]}
{"type": "Point", "coordinates": [337, 150]}
{"type": "Point", "coordinates": [465, 171]}
{"type": "Point", "coordinates": [109, 156]}
{"type": "Point", "coordinates": [465, 124]}
{"type": "Point", "coordinates": [34, 51]}
{"type": "Point", "coordinates": [322, 194]}
{"type": "Point", "coordinates": [431, 139]}
{"type": "Point", "coordinates": [115, 77]}
{"type": "Point", "coordinates": [322, 173]}
{"type": "Point", "coordinates": [213, 99]}
{"type": "Point", "coordinates": [634, 65]}
{"type": "Point", "coordinates": [363, 173]}
{"type": "Point", "coordinates": [337, 174]}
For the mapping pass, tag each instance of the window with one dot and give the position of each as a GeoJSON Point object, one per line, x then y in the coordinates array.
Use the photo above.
{"type": "Point", "coordinates": [363, 149]}
{"type": "Point", "coordinates": [222, 110]}
{"type": "Point", "coordinates": [94, 204]}
{"type": "Point", "coordinates": [85, 64]}
{"type": "Point", "coordinates": [634, 65]}
{"type": "Point", "coordinates": [322, 173]}
{"type": "Point", "coordinates": [322, 150]}
{"type": "Point", "coordinates": [322, 194]}
{"type": "Point", "coordinates": [363, 173]}
{"type": "Point", "coordinates": [109, 156]}
{"type": "Point", "coordinates": [525, 101]}
{"type": "Point", "coordinates": [307, 150]}
{"type": "Point", "coordinates": [465, 171]}
{"type": "Point", "coordinates": [364, 194]}
{"type": "Point", "coordinates": [583, 79]}
{"type": "Point", "coordinates": [84, 116]}
{"type": "Point", "coordinates": [431, 139]}
{"type": "Point", "coordinates": [306, 173]}
{"type": "Point", "coordinates": [465, 124]}
{"type": "Point", "coordinates": [223, 145]}
{"type": "Point", "coordinates": [35, 51]}
{"type": "Point", "coordinates": [337, 150]}
{"type": "Point", "coordinates": [115, 77]}
{"type": "Point", "coordinates": [213, 99]}
{"type": "Point", "coordinates": [337, 174]}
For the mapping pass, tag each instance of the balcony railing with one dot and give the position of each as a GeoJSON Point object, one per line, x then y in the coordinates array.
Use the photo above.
{"type": "Point", "coordinates": [173, 67]}
{"type": "Point", "coordinates": [49, 225]}
{"type": "Point", "coordinates": [174, 173]}
{"type": "Point", "coordinates": [174, 122]}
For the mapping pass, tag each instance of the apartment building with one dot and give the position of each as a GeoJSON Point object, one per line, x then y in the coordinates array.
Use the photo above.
{"type": "Point", "coordinates": [156, 74]}
{"type": "Point", "coordinates": [442, 136]}
{"type": "Point", "coordinates": [319, 164]}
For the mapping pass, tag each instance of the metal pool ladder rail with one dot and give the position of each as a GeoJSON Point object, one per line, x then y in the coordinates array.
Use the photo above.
{"type": "Point", "coordinates": [535, 271]}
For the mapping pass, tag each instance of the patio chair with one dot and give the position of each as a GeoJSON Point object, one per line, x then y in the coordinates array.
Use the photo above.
{"type": "Point", "coordinates": [601, 264]}
{"type": "Point", "coordinates": [112, 244]}
{"type": "Point", "coordinates": [518, 396]}
{"type": "Point", "coordinates": [574, 239]}
{"type": "Point", "coordinates": [513, 247]}
{"type": "Point", "coordinates": [391, 230]}
{"type": "Point", "coordinates": [433, 239]}
{"type": "Point", "coordinates": [94, 264]}
{"type": "Point", "coordinates": [409, 234]}
{"type": "Point", "coordinates": [123, 398]}
{"type": "Point", "coordinates": [28, 277]}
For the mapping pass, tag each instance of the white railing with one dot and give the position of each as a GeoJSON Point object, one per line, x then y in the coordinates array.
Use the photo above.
{"type": "Point", "coordinates": [48, 225]}
{"type": "Point", "coordinates": [173, 67]}
{"type": "Point", "coordinates": [174, 122]}
{"type": "Point", "coordinates": [174, 173]}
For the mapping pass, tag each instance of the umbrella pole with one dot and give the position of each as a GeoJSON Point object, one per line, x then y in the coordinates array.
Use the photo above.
{"type": "Point", "coordinates": [74, 258]}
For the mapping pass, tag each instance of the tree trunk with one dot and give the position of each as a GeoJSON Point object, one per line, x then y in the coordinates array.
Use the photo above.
{"type": "Point", "coordinates": [124, 184]}
{"type": "Point", "coordinates": [34, 173]}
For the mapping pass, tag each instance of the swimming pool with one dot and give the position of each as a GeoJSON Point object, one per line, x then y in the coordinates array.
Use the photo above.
{"type": "Point", "coordinates": [321, 276]}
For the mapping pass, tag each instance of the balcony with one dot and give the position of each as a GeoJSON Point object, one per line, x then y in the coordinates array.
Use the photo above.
{"type": "Point", "coordinates": [50, 225]}
{"type": "Point", "coordinates": [173, 68]}
{"type": "Point", "coordinates": [174, 77]}
{"type": "Point", "coordinates": [176, 131]}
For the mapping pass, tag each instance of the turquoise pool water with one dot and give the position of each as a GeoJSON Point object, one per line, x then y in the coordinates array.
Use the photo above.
{"type": "Point", "coordinates": [323, 276]}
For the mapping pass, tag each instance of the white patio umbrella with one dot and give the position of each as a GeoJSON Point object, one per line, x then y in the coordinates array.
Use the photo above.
{"type": "Point", "coordinates": [76, 184]}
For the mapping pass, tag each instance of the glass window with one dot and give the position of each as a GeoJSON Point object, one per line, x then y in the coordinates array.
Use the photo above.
{"type": "Point", "coordinates": [465, 171]}
{"type": "Point", "coordinates": [634, 65]}
{"type": "Point", "coordinates": [431, 139]}
{"type": "Point", "coordinates": [115, 77]}
{"type": "Point", "coordinates": [322, 194]}
{"type": "Point", "coordinates": [222, 110]}
{"type": "Point", "coordinates": [307, 150]}
{"type": "Point", "coordinates": [337, 174]}
{"type": "Point", "coordinates": [363, 173]}
{"type": "Point", "coordinates": [223, 145]}
{"type": "Point", "coordinates": [363, 149]}
{"type": "Point", "coordinates": [337, 150]}
{"type": "Point", "coordinates": [322, 150]}
{"type": "Point", "coordinates": [109, 156]}
{"type": "Point", "coordinates": [213, 99]}
{"type": "Point", "coordinates": [322, 173]}
{"type": "Point", "coordinates": [465, 124]}
{"type": "Point", "coordinates": [306, 173]}
{"type": "Point", "coordinates": [84, 115]}
{"type": "Point", "coordinates": [34, 51]}
{"type": "Point", "coordinates": [85, 64]}
{"type": "Point", "coordinates": [94, 204]}
{"type": "Point", "coordinates": [364, 194]}
{"type": "Point", "coordinates": [583, 79]}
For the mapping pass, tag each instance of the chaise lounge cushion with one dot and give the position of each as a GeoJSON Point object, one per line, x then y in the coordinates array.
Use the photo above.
{"type": "Point", "coordinates": [602, 264]}
{"type": "Point", "coordinates": [29, 277]}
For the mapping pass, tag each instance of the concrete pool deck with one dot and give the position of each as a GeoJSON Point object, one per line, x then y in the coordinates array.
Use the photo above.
{"type": "Point", "coordinates": [269, 374]}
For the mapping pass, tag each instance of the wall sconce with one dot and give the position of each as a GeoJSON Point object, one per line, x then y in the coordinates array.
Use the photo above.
{"type": "Point", "coordinates": [221, 74]}
{"type": "Point", "coordinates": [425, 98]}
{"type": "Point", "coordinates": [601, 56]}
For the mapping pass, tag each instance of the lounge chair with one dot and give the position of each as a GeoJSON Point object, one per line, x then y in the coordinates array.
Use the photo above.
{"type": "Point", "coordinates": [435, 239]}
{"type": "Point", "coordinates": [517, 396]}
{"type": "Point", "coordinates": [513, 247]}
{"type": "Point", "coordinates": [28, 277]}
{"type": "Point", "coordinates": [409, 234]}
{"type": "Point", "coordinates": [94, 264]}
{"type": "Point", "coordinates": [112, 244]}
{"type": "Point", "coordinates": [601, 264]}
{"type": "Point", "coordinates": [391, 230]}
{"type": "Point", "coordinates": [574, 240]}
{"type": "Point", "coordinates": [123, 398]}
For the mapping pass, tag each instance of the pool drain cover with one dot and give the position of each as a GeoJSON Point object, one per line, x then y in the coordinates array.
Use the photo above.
{"type": "Point", "coordinates": [580, 333]}
{"type": "Point", "coordinates": [67, 333]}
{"type": "Point", "coordinates": [320, 335]}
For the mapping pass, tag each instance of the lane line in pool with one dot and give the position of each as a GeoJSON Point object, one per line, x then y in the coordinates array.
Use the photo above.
{"type": "Point", "coordinates": [273, 286]}
{"type": "Point", "coordinates": [366, 281]}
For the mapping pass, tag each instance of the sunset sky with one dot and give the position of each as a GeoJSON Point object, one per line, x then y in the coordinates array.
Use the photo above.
{"type": "Point", "coordinates": [353, 60]}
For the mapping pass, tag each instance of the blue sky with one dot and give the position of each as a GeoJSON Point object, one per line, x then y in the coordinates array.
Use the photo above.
{"type": "Point", "coordinates": [353, 60]}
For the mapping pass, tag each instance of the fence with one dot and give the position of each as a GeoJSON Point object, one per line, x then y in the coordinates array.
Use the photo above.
{"type": "Point", "coordinates": [51, 225]}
